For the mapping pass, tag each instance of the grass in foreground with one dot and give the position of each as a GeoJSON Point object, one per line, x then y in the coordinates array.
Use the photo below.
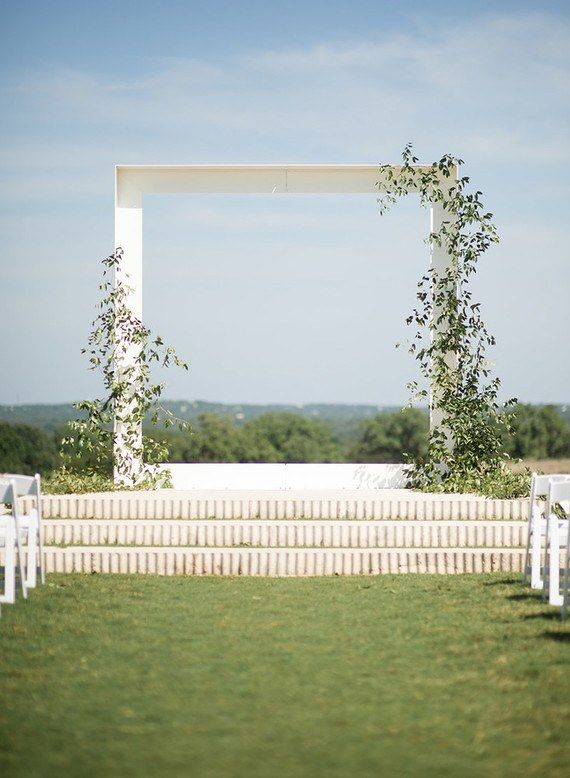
{"type": "Point", "coordinates": [410, 675]}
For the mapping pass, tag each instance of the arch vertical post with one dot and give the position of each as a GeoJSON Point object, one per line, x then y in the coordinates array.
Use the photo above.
{"type": "Point", "coordinates": [128, 237]}
{"type": "Point", "coordinates": [440, 261]}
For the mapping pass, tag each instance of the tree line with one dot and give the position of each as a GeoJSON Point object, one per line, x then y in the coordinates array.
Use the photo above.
{"type": "Point", "coordinates": [539, 432]}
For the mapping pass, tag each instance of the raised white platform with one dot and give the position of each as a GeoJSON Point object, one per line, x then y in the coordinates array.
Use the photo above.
{"type": "Point", "coordinates": [282, 533]}
{"type": "Point", "coordinates": [279, 476]}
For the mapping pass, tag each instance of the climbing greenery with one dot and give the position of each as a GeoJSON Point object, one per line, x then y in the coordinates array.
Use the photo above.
{"type": "Point", "coordinates": [123, 350]}
{"type": "Point", "coordinates": [466, 448]}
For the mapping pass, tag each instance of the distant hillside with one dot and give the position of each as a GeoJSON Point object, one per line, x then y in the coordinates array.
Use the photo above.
{"type": "Point", "coordinates": [343, 418]}
{"type": "Point", "coordinates": [46, 416]}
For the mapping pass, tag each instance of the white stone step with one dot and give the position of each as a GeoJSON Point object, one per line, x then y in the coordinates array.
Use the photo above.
{"type": "Point", "coordinates": [285, 504]}
{"type": "Point", "coordinates": [281, 533]}
{"type": "Point", "coordinates": [279, 562]}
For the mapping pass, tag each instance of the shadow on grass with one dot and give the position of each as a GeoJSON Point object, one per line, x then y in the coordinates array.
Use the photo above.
{"type": "Point", "coordinates": [559, 637]}
{"type": "Point", "coordinates": [549, 615]}
{"type": "Point", "coordinates": [502, 582]}
{"type": "Point", "coordinates": [522, 596]}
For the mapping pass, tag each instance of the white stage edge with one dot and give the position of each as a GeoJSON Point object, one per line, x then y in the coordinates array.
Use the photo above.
{"type": "Point", "coordinates": [278, 476]}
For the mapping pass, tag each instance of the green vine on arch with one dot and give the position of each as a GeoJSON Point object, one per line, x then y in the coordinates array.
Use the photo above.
{"type": "Point", "coordinates": [466, 449]}
{"type": "Point", "coordinates": [123, 350]}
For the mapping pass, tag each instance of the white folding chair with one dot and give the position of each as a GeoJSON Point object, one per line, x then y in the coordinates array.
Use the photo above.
{"type": "Point", "coordinates": [556, 538]}
{"type": "Point", "coordinates": [566, 581]}
{"type": "Point", "coordinates": [537, 521]}
{"type": "Point", "coordinates": [30, 525]}
{"type": "Point", "coordinates": [10, 541]}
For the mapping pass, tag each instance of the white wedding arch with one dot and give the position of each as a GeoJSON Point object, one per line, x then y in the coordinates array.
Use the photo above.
{"type": "Point", "coordinates": [134, 181]}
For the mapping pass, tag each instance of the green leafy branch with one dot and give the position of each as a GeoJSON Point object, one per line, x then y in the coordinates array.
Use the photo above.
{"type": "Point", "coordinates": [466, 450]}
{"type": "Point", "coordinates": [124, 351]}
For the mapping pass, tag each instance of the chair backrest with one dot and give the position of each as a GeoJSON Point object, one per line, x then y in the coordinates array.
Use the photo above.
{"type": "Point", "coordinates": [7, 491]}
{"type": "Point", "coordinates": [559, 491]}
{"type": "Point", "coordinates": [540, 485]}
{"type": "Point", "coordinates": [24, 484]}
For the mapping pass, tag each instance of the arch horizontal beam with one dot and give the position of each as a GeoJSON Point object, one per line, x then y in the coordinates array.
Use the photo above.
{"type": "Point", "coordinates": [132, 181]}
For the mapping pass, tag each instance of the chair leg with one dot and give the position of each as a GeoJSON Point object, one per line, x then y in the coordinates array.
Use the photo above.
{"type": "Point", "coordinates": [9, 566]}
{"type": "Point", "coordinates": [554, 597]}
{"type": "Point", "coordinates": [31, 566]}
{"type": "Point", "coordinates": [536, 550]}
{"type": "Point", "coordinates": [565, 593]}
{"type": "Point", "coordinates": [21, 564]}
{"type": "Point", "coordinates": [41, 554]}
{"type": "Point", "coordinates": [530, 532]}
{"type": "Point", "coordinates": [545, 566]}
{"type": "Point", "coordinates": [41, 559]}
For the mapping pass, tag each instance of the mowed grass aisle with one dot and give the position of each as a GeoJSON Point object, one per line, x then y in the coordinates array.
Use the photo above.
{"type": "Point", "coordinates": [410, 675]}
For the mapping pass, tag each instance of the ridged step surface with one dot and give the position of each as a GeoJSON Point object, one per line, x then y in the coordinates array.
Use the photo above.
{"type": "Point", "coordinates": [390, 504]}
{"type": "Point", "coordinates": [280, 562]}
{"type": "Point", "coordinates": [280, 533]}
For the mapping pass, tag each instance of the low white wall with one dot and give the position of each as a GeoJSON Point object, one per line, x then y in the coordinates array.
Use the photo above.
{"type": "Point", "coordinates": [286, 476]}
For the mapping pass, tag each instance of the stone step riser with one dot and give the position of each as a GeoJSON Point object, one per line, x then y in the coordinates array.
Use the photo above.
{"type": "Point", "coordinates": [315, 533]}
{"type": "Point", "coordinates": [253, 505]}
{"type": "Point", "coordinates": [281, 562]}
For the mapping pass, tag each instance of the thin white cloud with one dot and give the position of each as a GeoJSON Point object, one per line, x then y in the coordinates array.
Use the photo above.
{"type": "Point", "coordinates": [473, 86]}
{"type": "Point", "coordinates": [444, 56]}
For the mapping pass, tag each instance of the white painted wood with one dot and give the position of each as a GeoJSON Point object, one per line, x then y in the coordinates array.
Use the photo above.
{"type": "Point", "coordinates": [277, 476]}
{"type": "Point", "coordinates": [133, 181]}
{"type": "Point", "coordinates": [11, 534]}
{"type": "Point", "coordinates": [440, 261]}
{"type": "Point", "coordinates": [29, 517]}
{"type": "Point", "coordinates": [129, 237]}
{"type": "Point", "coordinates": [566, 580]}
{"type": "Point", "coordinates": [536, 535]}
{"type": "Point", "coordinates": [557, 530]}
{"type": "Point", "coordinates": [8, 556]}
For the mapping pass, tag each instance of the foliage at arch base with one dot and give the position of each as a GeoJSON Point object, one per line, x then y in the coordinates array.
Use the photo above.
{"type": "Point", "coordinates": [124, 351]}
{"type": "Point", "coordinates": [466, 451]}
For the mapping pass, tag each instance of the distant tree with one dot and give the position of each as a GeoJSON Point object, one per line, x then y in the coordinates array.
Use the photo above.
{"type": "Point", "coordinates": [389, 436]}
{"type": "Point", "coordinates": [27, 450]}
{"type": "Point", "coordinates": [176, 442]}
{"type": "Point", "coordinates": [217, 439]}
{"type": "Point", "coordinates": [538, 432]}
{"type": "Point", "coordinates": [288, 437]}
{"type": "Point", "coordinates": [272, 437]}
{"type": "Point", "coordinates": [214, 438]}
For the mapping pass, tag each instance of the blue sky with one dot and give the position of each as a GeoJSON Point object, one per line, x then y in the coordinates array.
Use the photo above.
{"type": "Point", "coordinates": [296, 299]}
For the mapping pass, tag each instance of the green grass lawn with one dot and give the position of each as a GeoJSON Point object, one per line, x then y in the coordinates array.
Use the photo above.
{"type": "Point", "coordinates": [387, 676]}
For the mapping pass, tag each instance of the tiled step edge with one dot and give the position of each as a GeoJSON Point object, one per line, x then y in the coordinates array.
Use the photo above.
{"type": "Point", "coordinates": [255, 505]}
{"type": "Point", "coordinates": [280, 533]}
{"type": "Point", "coordinates": [280, 562]}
